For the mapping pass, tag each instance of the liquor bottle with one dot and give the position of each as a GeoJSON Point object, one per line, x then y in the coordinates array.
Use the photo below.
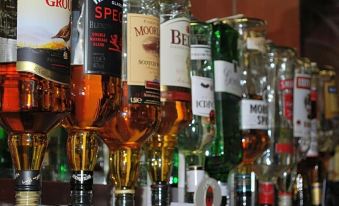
{"type": "Point", "coordinates": [175, 88]}
{"type": "Point", "coordinates": [95, 86]}
{"type": "Point", "coordinates": [329, 112]}
{"type": "Point", "coordinates": [225, 151]}
{"type": "Point", "coordinates": [283, 129]}
{"type": "Point", "coordinates": [253, 106]}
{"type": "Point", "coordinates": [265, 165]}
{"type": "Point", "coordinates": [278, 157]}
{"type": "Point", "coordinates": [138, 115]}
{"type": "Point", "coordinates": [311, 171]}
{"type": "Point", "coordinates": [301, 107]}
{"type": "Point", "coordinates": [34, 74]}
{"type": "Point", "coordinates": [194, 139]}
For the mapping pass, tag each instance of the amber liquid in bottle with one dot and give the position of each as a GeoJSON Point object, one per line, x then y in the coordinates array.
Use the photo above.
{"type": "Point", "coordinates": [29, 107]}
{"type": "Point", "coordinates": [137, 115]}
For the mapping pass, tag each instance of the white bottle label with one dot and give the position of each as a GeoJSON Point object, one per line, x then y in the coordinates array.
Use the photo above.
{"type": "Point", "coordinates": [175, 53]}
{"type": "Point", "coordinates": [227, 77]}
{"type": "Point", "coordinates": [302, 106]}
{"type": "Point", "coordinates": [254, 114]}
{"type": "Point", "coordinates": [256, 43]}
{"type": "Point", "coordinates": [202, 96]}
{"type": "Point", "coordinates": [194, 177]}
{"type": "Point", "coordinates": [200, 52]}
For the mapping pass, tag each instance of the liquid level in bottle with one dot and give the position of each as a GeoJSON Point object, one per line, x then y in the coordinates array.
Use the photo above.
{"type": "Point", "coordinates": [175, 115]}
{"type": "Point", "coordinates": [30, 103]}
{"type": "Point", "coordinates": [94, 98]}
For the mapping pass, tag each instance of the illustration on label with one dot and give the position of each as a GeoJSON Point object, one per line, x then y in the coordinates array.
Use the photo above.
{"type": "Point", "coordinates": [43, 34]}
{"type": "Point", "coordinates": [302, 106]}
{"type": "Point", "coordinates": [102, 36]}
{"type": "Point", "coordinates": [202, 96]}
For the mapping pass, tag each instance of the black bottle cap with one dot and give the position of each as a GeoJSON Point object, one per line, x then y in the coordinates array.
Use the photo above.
{"type": "Point", "coordinates": [82, 180]}
{"type": "Point", "coordinates": [27, 180]}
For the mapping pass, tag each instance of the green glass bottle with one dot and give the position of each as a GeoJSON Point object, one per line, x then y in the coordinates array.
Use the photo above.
{"type": "Point", "coordinates": [225, 151]}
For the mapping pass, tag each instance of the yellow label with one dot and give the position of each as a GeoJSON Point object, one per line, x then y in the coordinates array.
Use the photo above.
{"type": "Point", "coordinates": [331, 99]}
{"type": "Point", "coordinates": [316, 193]}
{"type": "Point", "coordinates": [143, 40]}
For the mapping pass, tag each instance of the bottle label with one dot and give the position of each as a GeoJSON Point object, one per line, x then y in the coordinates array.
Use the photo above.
{"type": "Point", "coordinates": [27, 180]}
{"type": "Point", "coordinates": [316, 193]}
{"type": "Point", "coordinates": [256, 43]}
{"type": "Point", "coordinates": [285, 199]}
{"type": "Point", "coordinates": [194, 177]}
{"type": "Point", "coordinates": [286, 88]}
{"type": "Point", "coordinates": [281, 148]}
{"type": "Point", "coordinates": [302, 106]}
{"type": "Point", "coordinates": [331, 100]}
{"type": "Point", "coordinates": [97, 36]}
{"type": "Point", "coordinates": [227, 77]}
{"type": "Point", "coordinates": [8, 20]}
{"type": "Point", "coordinates": [143, 72]}
{"type": "Point", "coordinates": [175, 53]}
{"type": "Point", "coordinates": [266, 193]}
{"type": "Point", "coordinates": [254, 114]}
{"type": "Point", "coordinates": [43, 33]}
{"type": "Point", "coordinates": [200, 52]}
{"type": "Point", "coordinates": [202, 96]}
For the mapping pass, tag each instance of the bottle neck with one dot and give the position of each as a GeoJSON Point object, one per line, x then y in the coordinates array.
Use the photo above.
{"type": "Point", "coordinates": [160, 194]}
{"type": "Point", "coordinates": [124, 199]}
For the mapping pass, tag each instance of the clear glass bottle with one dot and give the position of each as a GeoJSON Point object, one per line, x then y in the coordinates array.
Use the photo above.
{"type": "Point", "coordinates": [283, 145]}
{"type": "Point", "coordinates": [175, 88]}
{"type": "Point", "coordinates": [253, 107]}
{"type": "Point", "coordinates": [193, 140]}
{"type": "Point", "coordinates": [95, 87]}
{"type": "Point", "coordinates": [278, 157]}
{"type": "Point", "coordinates": [34, 74]}
{"type": "Point", "coordinates": [311, 170]}
{"type": "Point", "coordinates": [138, 114]}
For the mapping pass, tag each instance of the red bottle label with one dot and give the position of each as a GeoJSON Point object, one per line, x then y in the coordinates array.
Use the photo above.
{"type": "Point", "coordinates": [284, 148]}
{"type": "Point", "coordinates": [288, 106]}
{"type": "Point", "coordinates": [266, 193]}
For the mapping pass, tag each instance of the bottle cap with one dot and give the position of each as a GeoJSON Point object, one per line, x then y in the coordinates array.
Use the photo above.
{"type": "Point", "coordinates": [208, 193]}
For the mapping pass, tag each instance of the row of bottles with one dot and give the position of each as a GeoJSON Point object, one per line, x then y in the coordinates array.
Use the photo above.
{"type": "Point", "coordinates": [146, 75]}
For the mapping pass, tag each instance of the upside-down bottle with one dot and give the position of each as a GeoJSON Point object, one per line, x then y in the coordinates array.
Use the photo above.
{"type": "Point", "coordinates": [138, 115]}
{"type": "Point", "coordinates": [253, 107]}
{"type": "Point", "coordinates": [175, 88]}
{"type": "Point", "coordinates": [194, 139]}
{"type": "Point", "coordinates": [34, 78]}
{"type": "Point", "coordinates": [95, 87]}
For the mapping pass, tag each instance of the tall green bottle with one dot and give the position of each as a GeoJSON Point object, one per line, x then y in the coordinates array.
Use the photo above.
{"type": "Point", "coordinates": [225, 151]}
